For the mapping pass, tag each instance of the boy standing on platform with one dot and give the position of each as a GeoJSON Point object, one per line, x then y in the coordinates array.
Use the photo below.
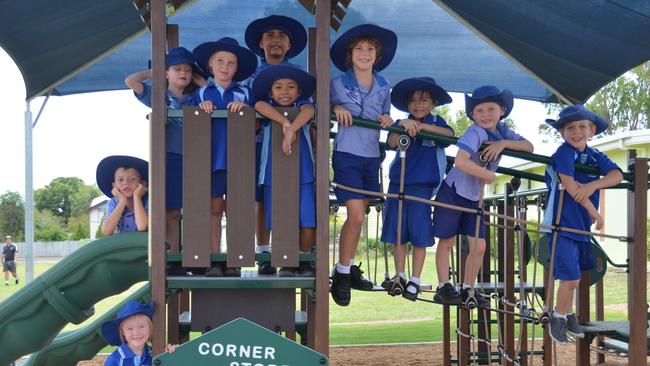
{"type": "Point", "coordinates": [573, 252]}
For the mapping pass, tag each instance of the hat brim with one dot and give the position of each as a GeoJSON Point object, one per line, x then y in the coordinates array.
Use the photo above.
{"type": "Point", "coordinates": [400, 94]}
{"type": "Point", "coordinates": [583, 114]}
{"type": "Point", "coordinates": [265, 79]}
{"type": "Point", "coordinates": [111, 329]}
{"type": "Point", "coordinates": [386, 37]}
{"type": "Point", "coordinates": [504, 99]}
{"type": "Point", "coordinates": [246, 60]}
{"type": "Point", "coordinates": [293, 28]}
{"type": "Point", "coordinates": [106, 170]}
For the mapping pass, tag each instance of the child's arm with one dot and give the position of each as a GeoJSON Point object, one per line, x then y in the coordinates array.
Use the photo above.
{"type": "Point", "coordinates": [134, 81]}
{"type": "Point", "coordinates": [305, 115]}
{"type": "Point", "coordinates": [464, 162]}
{"type": "Point", "coordinates": [141, 216]}
{"type": "Point", "coordinates": [111, 221]}
{"type": "Point", "coordinates": [343, 116]}
{"type": "Point", "coordinates": [445, 131]}
{"type": "Point", "coordinates": [571, 187]}
{"type": "Point", "coordinates": [410, 126]}
{"type": "Point", "coordinates": [494, 148]}
{"type": "Point", "coordinates": [584, 191]}
{"type": "Point", "coordinates": [271, 113]}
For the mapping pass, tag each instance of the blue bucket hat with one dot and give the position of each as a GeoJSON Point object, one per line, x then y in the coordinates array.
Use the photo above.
{"type": "Point", "coordinates": [268, 76]}
{"type": "Point", "coordinates": [576, 113]}
{"type": "Point", "coordinates": [489, 93]}
{"type": "Point", "coordinates": [106, 170]}
{"type": "Point", "coordinates": [399, 96]}
{"type": "Point", "coordinates": [386, 37]}
{"type": "Point", "coordinates": [296, 32]}
{"type": "Point", "coordinates": [247, 62]}
{"type": "Point", "coordinates": [178, 56]}
{"type": "Point", "coordinates": [111, 328]}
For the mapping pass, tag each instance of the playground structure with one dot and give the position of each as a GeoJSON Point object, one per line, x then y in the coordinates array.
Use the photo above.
{"type": "Point", "coordinates": [312, 321]}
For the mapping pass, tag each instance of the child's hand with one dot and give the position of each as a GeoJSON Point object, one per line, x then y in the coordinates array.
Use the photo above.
{"type": "Point", "coordinates": [140, 190]}
{"type": "Point", "coordinates": [117, 194]}
{"type": "Point", "coordinates": [584, 192]}
{"type": "Point", "coordinates": [343, 116]}
{"type": "Point", "coordinates": [206, 106]}
{"type": "Point", "coordinates": [493, 150]}
{"type": "Point", "coordinates": [490, 178]}
{"type": "Point", "coordinates": [287, 142]}
{"type": "Point", "coordinates": [286, 127]}
{"type": "Point", "coordinates": [385, 120]}
{"type": "Point", "coordinates": [170, 348]}
{"type": "Point", "coordinates": [597, 219]}
{"type": "Point", "coordinates": [411, 127]}
{"type": "Point", "coordinates": [236, 106]}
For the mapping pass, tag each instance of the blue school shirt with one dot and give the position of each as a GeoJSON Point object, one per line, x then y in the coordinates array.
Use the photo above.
{"type": "Point", "coordinates": [220, 97]}
{"type": "Point", "coordinates": [468, 186]}
{"type": "Point", "coordinates": [574, 215]}
{"type": "Point", "coordinates": [306, 157]}
{"type": "Point", "coordinates": [174, 130]}
{"type": "Point", "coordinates": [123, 356]}
{"type": "Point", "coordinates": [127, 220]}
{"type": "Point", "coordinates": [369, 104]}
{"type": "Point", "coordinates": [425, 160]}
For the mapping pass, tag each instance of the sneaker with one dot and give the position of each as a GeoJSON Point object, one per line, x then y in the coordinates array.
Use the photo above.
{"type": "Point", "coordinates": [173, 269]}
{"type": "Point", "coordinates": [288, 271]}
{"type": "Point", "coordinates": [265, 268]}
{"type": "Point", "coordinates": [411, 295]}
{"type": "Point", "coordinates": [447, 295]}
{"type": "Point", "coordinates": [306, 270]}
{"type": "Point", "coordinates": [215, 271]}
{"type": "Point", "coordinates": [572, 327]}
{"type": "Point", "coordinates": [358, 282]}
{"type": "Point", "coordinates": [481, 301]}
{"type": "Point", "coordinates": [232, 272]}
{"type": "Point", "coordinates": [558, 329]}
{"type": "Point", "coordinates": [341, 288]}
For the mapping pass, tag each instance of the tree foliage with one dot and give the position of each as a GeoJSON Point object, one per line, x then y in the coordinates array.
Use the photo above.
{"type": "Point", "coordinates": [12, 215]}
{"type": "Point", "coordinates": [48, 226]}
{"type": "Point", "coordinates": [57, 197]}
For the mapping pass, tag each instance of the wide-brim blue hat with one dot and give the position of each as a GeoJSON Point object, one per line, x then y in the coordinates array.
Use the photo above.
{"type": "Point", "coordinates": [178, 56]}
{"type": "Point", "coordinates": [106, 170]}
{"type": "Point", "coordinates": [293, 28]}
{"type": "Point", "coordinates": [576, 113]}
{"type": "Point", "coordinates": [247, 61]}
{"type": "Point", "coordinates": [386, 37]}
{"type": "Point", "coordinates": [111, 328]}
{"type": "Point", "coordinates": [399, 96]}
{"type": "Point", "coordinates": [265, 79]}
{"type": "Point", "coordinates": [489, 93]}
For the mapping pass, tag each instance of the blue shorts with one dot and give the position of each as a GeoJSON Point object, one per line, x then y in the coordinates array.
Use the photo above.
{"type": "Point", "coordinates": [416, 217]}
{"type": "Point", "coordinates": [259, 189]}
{"type": "Point", "coordinates": [174, 173]}
{"type": "Point", "coordinates": [219, 183]}
{"type": "Point", "coordinates": [307, 206]}
{"type": "Point", "coordinates": [571, 257]}
{"type": "Point", "coordinates": [448, 222]}
{"type": "Point", "coordinates": [356, 172]}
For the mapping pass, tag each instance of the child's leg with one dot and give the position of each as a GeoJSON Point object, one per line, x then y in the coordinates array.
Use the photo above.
{"type": "Point", "coordinates": [419, 255]}
{"type": "Point", "coordinates": [306, 238]}
{"type": "Point", "coordinates": [217, 206]}
{"type": "Point", "coordinates": [442, 258]}
{"type": "Point", "coordinates": [399, 254]}
{"type": "Point", "coordinates": [173, 227]}
{"type": "Point", "coordinates": [351, 230]}
{"type": "Point", "coordinates": [474, 259]}
{"type": "Point", "coordinates": [564, 299]}
{"type": "Point", "coordinates": [262, 233]}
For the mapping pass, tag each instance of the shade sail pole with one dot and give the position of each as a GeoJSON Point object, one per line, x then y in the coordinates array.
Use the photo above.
{"type": "Point", "coordinates": [29, 197]}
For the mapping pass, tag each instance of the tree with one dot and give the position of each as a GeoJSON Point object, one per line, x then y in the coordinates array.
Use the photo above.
{"type": "Point", "coordinates": [625, 103]}
{"type": "Point", "coordinates": [48, 226]}
{"type": "Point", "coordinates": [12, 215]}
{"type": "Point", "coordinates": [57, 196]}
{"type": "Point", "coordinates": [81, 200]}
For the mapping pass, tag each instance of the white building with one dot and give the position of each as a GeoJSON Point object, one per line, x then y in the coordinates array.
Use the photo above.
{"type": "Point", "coordinates": [96, 213]}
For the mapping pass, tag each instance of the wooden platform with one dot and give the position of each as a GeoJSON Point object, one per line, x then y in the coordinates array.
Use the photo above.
{"type": "Point", "coordinates": [249, 279]}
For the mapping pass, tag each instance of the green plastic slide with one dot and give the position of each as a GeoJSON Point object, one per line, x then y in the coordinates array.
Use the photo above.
{"type": "Point", "coordinates": [33, 316]}
{"type": "Point", "coordinates": [82, 344]}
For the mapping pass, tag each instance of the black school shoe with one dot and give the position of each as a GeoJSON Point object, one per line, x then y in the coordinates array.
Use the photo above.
{"type": "Point", "coordinates": [447, 295]}
{"type": "Point", "coordinates": [357, 280]}
{"type": "Point", "coordinates": [232, 272]}
{"type": "Point", "coordinates": [481, 301]}
{"type": "Point", "coordinates": [573, 328]}
{"type": "Point", "coordinates": [411, 295]}
{"type": "Point", "coordinates": [558, 329]}
{"type": "Point", "coordinates": [288, 272]}
{"type": "Point", "coordinates": [305, 269]}
{"type": "Point", "coordinates": [215, 271]}
{"type": "Point", "coordinates": [341, 288]}
{"type": "Point", "coordinates": [265, 268]}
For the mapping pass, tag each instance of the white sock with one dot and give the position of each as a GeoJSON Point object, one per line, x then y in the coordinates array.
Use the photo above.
{"type": "Point", "coordinates": [403, 275]}
{"type": "Point", "coordinates": [301, 252]}
{"type": "Point", "coordinates": [342, 269]}
{"type": "Point", "coordinates": [411, 288]}
{"type": "Point", "coordinates": [352, 261]}
{"type": "Point", "coordinates": [415, 280]}
{"type": "Point", "coordinates": [558, 315]}
{"type": "Point", "coordinates": [262, 248]}
{"type": "Point", "coordinates": [440, 284]}
{"type": "Point", "coordinates": [464, 286]}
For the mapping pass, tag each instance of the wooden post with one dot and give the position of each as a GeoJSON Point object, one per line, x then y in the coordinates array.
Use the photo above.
{"type": "Point", "coordinates": [462, 314]}
{"type": "Point", "coordinates": [582, 314]}
{"type": "Point", "coordinates": [637, 290]}
{"type": "Point", "coordinates": [522, 206]}
{"type": "Point", "coordinates": [318, 310]}
{"type": "Point", "coordinates": [446, 336]}
{"type": "Point", "coordinates": [484, 317]}
{"type": "Point", "coordinates": [157, 175]}
{"type": "Point", "coordinates": [600, 307]}
{"type": "Point", "coordinates": [509, 275]}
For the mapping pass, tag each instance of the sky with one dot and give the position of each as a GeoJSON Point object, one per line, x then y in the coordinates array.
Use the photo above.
{"type": "Point", "coordinates": [75, 132]}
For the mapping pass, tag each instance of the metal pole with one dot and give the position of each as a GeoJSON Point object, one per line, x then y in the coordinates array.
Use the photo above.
{"type": "Point", "coordinates": [29, 197]}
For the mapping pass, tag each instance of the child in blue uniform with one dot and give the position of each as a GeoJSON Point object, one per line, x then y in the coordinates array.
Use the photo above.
{"type": "Point", "coordinates": [182, 80]}
{"type": "Point", "coordinates": [131, 330]}
{"type": "Point", "coordinates": [288, 86]}
{"type": "Point", "coordinates": [361, 52]}
{"type": "Point", "coordinates": [275, 39]}
{"type": "Point", "coordinates": [573, 252]}
{"type": "Point", "coordinates": [462, 187]}
{"type": "Point", "coordinates": [425, 164]}
{"type": "Point", "coordinates": [124, 180]}
{"type": "Point", "coordinates": [228, 63]}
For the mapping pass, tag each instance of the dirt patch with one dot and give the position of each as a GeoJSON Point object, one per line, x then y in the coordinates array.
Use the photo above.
{"type": "Point", "coordinates": [411, 355]}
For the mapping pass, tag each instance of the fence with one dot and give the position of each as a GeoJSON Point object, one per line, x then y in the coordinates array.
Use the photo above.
{"type": "Point", "coordinates": [51, 249]}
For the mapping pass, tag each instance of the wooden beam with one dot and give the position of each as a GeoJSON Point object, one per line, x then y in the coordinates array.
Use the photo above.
{"type": "Point", "coordinates": [509, 276]}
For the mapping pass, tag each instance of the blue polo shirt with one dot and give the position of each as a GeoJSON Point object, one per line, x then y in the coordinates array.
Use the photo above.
{"type": "Point", "coordinates": [127, 220]}
{"type": "Point", "coordinates": [468, 186]}
{"type": "Point", "coordinates": [123, 356]}
{"type": "Point", "coordinates": [368, 104]}
{"type": "Point", "coordinates": [425, 160]}
{"type": "Point", "coordinates": [220, 97]}
{"type": "Point", "coordinates": [174, 130]}
{"type": "Point", "coordinates": [306, 157]}
{"type": "Point", "coordinates": [574, 215]}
